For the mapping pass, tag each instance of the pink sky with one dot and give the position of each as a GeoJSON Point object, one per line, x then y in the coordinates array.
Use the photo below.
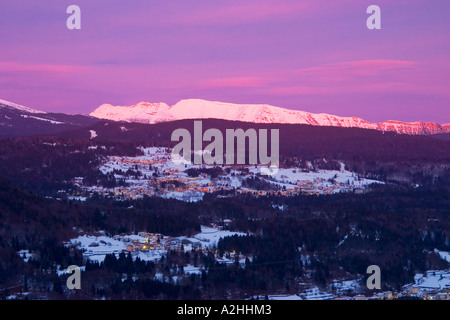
{"type": "Point", "coordinates": [313, 55]}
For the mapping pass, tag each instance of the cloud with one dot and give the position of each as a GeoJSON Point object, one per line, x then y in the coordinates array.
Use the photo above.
{"type": "Point", "coordinates": [387, 87]}
{"type": "Point", "coordinates": [238, 11]}
{"type": "Point", "coordinates": [361, 76]}
{"type": "Point", "coordinates": [222, 12]}
{"type": "Point", "coordinates": [11, 66]}
{"type": "Point", "coordinates": [360, 67]}
{"type": "Point", "coordinates": [235, 82]}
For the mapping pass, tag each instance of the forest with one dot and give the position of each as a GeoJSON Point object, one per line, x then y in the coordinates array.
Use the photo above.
{"type": "Point", "coordinates": [394, 227]}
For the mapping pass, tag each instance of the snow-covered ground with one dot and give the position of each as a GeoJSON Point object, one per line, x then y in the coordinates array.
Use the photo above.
{"type": "Point", "coordinates": [41, 119]}
{"type": "Point", "coordinates": [189, 269]}
{"type": "Point", "coordinates": [443, 254]}
{"type": "Point", "coordinates": [346, 286]}
{"type": "Point", "coordinates": [25, 255]}
{"type": "Point", "coordinates": [292, 177]}
{"type": "Point", "coordinates": [316, 294]}
{"type": "Point", "coordinates": [78, 198]}
{"type": "Point", "coordinates": [93, 134]}
{"type": "Point", "coordinates": [209, 237]}
{"type": "Point", "coordinates": [433, 280]}
{"type": "Point", "coordinates": [284, 297]}
{"type": "Point", "coordinates": [61, 272]}
{"type": "Point", "coordinates": [96, 247]}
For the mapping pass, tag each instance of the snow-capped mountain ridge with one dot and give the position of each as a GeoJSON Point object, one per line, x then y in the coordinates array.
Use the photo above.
{"type": "Point", "coordinates": [145, 112]}
{"type": "Point", "coordinates": [12, 105]}
{"type": "Point", "coordinates": [20, 121]}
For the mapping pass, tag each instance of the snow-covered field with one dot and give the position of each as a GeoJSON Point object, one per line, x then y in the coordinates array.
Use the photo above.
{"type": "Point", "coordinates": [346, 286]}
{"type": "Point", "coordinates": [316, 294]}
{"type": "Point", "coordinates": [97, 247]}
{"type": "Point", "coordinates": [209, 237]}
{"type": "Point", "coordinates": [189, 269]}
{"type": "Point", "coordinates": [291, 178]}
{"type": "Point", "coordinates": [284, 297]}
{"type": "Point", "coordinates": [433, 280]}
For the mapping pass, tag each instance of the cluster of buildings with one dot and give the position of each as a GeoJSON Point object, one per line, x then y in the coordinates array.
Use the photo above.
{"type": "Point", "coordinates": [154, 241]}
{"type": "Point", "coordinates": [160, 176]}
{"type": "Point", "coordinates": [433, 285]}
{"type": "Point", "coordinates": [146, 242]}
{"type": "Point", "coordinates": [167, 184]}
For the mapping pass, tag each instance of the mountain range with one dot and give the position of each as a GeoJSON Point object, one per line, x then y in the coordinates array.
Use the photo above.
{"type": "Point", "coordinates": [151, 113]}
{"type": "Point", "coordinates": [17, 120]}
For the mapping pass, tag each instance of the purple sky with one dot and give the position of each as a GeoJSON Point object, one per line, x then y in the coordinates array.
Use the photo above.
{"type": "Point", "coordinates": [314, 55]}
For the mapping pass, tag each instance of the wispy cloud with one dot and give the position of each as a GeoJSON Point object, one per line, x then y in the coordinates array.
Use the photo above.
{"type": "Point", "coordinates": [360, 67]}
{"type": "Point", "coordinates": [361, 76]}
{"type": "Point", "coordinates": [228, 12]}
{"type": "Point", "coordinates": [235, 82]}
{"type": "Point", "coordinates": [11, 66]}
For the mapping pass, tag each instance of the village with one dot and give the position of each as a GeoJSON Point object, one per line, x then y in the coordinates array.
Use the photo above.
{"type": "Point", "coordinates": [432, 285]}
{"type": "Point", "coordinates": [157, 174]}
{"type": "Point", "coordinates": [152, 246]}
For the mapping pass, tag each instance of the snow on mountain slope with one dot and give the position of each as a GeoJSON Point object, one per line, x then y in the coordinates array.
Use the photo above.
{"type": "Point", "coordinates": [41, 119]}
{"type": "Point", "coordinates": [257, 113]}
{"type": "Point", "coordinates": [8, 104]}
{"type": "Point", "coordinates": [142, 112]}
{"type": "Point", "coordinates": [413, 127]}
{"type": "Point", "coordinates": [19, 121]}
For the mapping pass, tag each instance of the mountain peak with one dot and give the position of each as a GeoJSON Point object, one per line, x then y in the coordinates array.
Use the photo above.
{"type": "Point", "coordinates": [145, 112]}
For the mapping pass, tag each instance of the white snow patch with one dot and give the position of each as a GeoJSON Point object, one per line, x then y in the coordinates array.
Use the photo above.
{"type": "Point", "coordinates": [41, 119]}
{"type": "Point", "coordinates": [443, 254]}
{"type": "Point", "coordinates": [93, 134]}
{"type": "Point", "coordinates": [25, 255]}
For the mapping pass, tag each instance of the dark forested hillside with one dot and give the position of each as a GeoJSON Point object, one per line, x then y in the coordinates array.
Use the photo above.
{"type": "Point", "coordinates": [48, 164]}
{"type": "Point", "coordinates": [304, 141]}
{"type": "Point", "coordinates": [394, 227]}
{"type": "Point", "coordinates": [20, 123]}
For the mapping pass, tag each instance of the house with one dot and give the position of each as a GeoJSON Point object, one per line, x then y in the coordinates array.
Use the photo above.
{"type": "Point", "coordinates": [443, 296]}
{"type": "Point", "coordinates": [386, 295]}
{"type": "Point", "coordinates": [135, 246]}
{"type": "Point", "coordinates": [130, 248]}
{"type": "Point", "coordinates": [413, 290]}
{"type": "Point", "coordinates": [431, 283]}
